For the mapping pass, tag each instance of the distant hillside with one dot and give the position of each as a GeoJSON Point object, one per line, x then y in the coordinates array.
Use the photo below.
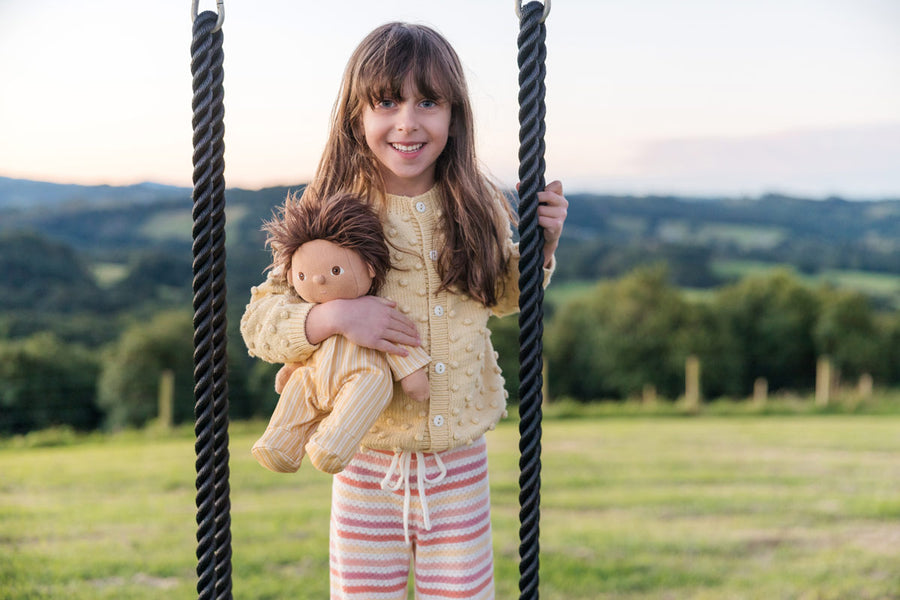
{"type": "Point", "coordinates": [703, 241]}
{"type": "Point", "coordinates": [23, 193]}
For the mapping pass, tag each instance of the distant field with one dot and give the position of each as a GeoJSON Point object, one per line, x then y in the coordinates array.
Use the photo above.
{"type": "Point", "coordinates": [176, 224]}
{"type": "Point", "coordinates": [639, 507]}
{"type": "Point", "coordinates": [878, 285]}
{"type": "Point", "coordinates": [560, 293]}
{"type": "Point", "coordinates": [882, 286]}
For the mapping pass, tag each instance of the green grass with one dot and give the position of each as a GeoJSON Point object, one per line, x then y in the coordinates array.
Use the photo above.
{"type": "Point", "coordinates": [634, 506]}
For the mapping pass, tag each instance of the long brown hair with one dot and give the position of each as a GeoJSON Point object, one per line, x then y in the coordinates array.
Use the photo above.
{"type": "Point", "coordinates": [476, 218]}
{"type": "Point", "coordinates": [342, 219]}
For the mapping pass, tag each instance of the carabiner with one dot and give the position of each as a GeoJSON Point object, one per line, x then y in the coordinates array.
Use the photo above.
{"type": "Point", "coordinates": [220, 8]}
{"type": "Point", "coordinates": [543, 16]}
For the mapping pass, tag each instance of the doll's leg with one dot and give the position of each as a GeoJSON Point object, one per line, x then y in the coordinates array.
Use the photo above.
{"type": "Point", "coordinates": [356, 408]}
{"type": "Point", "coordinates": [361, 389]}
{"type": "Point", "coordinates": [280, 448]}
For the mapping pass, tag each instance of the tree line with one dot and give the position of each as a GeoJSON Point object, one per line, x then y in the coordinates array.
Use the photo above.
{"type": "Point", "coordinates": [606, 343]}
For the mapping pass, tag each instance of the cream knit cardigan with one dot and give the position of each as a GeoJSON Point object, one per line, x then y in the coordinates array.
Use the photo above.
{"type": "Point", "coordinates": [467, 393]}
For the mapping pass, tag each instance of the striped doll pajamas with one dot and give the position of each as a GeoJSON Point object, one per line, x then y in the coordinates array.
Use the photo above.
{"type": "Point", "coordinates": [429, 510]}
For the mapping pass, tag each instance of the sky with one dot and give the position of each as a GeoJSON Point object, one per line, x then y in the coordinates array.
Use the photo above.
{"type": "Point", "coordinates": [689, 97]}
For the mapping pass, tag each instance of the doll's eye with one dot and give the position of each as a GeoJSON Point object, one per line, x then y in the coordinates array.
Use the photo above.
{"type": "Point", "coordinates": [337, 270]}
{"type": "Point", "coordinates": [301, 276]}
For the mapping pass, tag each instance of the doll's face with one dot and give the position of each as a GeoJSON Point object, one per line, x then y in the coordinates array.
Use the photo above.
{"type": "Point", "coordinates": [323, 271]}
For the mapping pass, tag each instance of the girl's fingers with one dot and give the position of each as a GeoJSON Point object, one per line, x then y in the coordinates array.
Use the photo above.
{"type": "Point", "coordinates": [555, 187]}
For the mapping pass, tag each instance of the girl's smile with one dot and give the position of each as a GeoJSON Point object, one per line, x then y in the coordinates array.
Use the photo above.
{"type": "Point", "coordinates": [407, 135]}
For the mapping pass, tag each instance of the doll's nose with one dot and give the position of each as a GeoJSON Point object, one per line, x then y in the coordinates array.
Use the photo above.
{"type": "Point", "coordinates": [319, 279]}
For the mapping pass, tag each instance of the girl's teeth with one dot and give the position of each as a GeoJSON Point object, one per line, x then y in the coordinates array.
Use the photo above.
{"type": "Point", "coordinates": [403, 148]}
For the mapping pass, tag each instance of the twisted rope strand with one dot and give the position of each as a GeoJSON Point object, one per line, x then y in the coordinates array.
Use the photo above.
{"type": "Point", "coordinates": [532, 53]}
{"type": "Point", "coordinates": [210, 346]}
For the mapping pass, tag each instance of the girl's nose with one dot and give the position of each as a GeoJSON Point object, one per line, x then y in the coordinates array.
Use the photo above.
{"type": "Point", "coordinates": [406, 118]}
{"type": "Point", "coordinates": [319, 279]}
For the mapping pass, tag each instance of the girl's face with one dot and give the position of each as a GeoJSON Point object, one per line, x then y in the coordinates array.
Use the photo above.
{"type": "Point", "coordinates": [407, 135]}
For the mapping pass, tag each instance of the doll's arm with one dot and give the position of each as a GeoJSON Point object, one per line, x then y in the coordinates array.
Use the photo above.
{"type": "Point", "coordinates": [412, 373]}
{"type": "Point", "coordinates": [273, 324]}
{"type": "Point", "coordinates": [416, 385]}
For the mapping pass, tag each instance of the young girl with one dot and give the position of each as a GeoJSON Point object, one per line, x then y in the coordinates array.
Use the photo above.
{"type": "Point", "coordinates": [417, 491]}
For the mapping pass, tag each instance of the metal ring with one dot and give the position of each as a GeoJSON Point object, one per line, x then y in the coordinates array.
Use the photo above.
{"type": "Point", "coordinates": [543, 16]}
{"type": "Point", "coordinates": [220, 9]}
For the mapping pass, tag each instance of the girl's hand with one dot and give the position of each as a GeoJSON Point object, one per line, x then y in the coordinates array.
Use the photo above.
{"type": "Point", "coordinates": [552, 210]}
{"type": "Point", "coordinates": [367, 321]}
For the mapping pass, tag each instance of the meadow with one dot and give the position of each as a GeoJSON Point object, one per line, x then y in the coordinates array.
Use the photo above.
{"type": "Point", "coordinates": [634, 506]}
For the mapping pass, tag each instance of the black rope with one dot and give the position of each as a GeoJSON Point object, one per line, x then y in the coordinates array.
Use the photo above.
{"type": "Point", "coordinates": [210, 358]}
{"type": "Point", "coordinates": [532, 54]}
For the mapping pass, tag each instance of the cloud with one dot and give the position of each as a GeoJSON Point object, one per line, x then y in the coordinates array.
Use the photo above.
{"type": "Point", "coordinates": [855, 161]}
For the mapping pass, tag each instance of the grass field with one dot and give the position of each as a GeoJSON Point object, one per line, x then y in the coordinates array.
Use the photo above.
{"type": "Point", "coordinates": [634, 507]}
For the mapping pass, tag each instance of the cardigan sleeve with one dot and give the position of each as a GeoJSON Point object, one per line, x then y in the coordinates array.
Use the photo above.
{"type": "Point", "coordinates": [508, 302]}
{"type": "Point", "coordinates": [274, 323]}
{"type": "Point", "coordinates": [401, 366]}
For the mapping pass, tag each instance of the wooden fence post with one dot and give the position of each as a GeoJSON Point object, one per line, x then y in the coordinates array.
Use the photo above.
{"type": "Point", "coordinates": [692, 382]}
{"type": "Point", "coordinates": [165, 398]}
{"type": "Point", "coordinates": [823, 381]}
{"type": "Point", "coordinates": [760, 391]}
{"type": "Point", "coordinates": [865, 385]}
{"type": "Point", "coordinates": [648, 396]}
{"type": "Point", "coordinates": [545, 383]}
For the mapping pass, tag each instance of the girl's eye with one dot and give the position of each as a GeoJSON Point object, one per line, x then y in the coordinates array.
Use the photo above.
{"type": "Point", "coordinates": [428, 103]}
{"type": "Point", "coordinates": [385, 103]}
{"type": "Point", "coordinates": [301, 276]}
{"type": "Point", "coordinates": [337, 271]}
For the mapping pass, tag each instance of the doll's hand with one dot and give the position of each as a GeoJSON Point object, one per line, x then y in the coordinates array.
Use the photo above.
{"type": "Point", "coordinates": [367, 321]}
{"type": "Point", "coordinates": [284, 373]}
{"type": "Point", "coordinates": [416, 385]}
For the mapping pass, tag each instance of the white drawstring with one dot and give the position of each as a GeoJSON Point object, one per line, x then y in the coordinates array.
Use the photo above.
{"type": "Point", "coordinates": [403, 480]}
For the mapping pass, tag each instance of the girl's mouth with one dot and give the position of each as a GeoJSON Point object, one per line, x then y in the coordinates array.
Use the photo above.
{"type": "Point", "coordinates": [409, 149]}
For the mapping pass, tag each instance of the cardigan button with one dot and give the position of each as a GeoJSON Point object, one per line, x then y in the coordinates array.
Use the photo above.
{"type": "Point", "coordinates": [438, 420]}
{"type": "Point", "coordinates": [420, 206]}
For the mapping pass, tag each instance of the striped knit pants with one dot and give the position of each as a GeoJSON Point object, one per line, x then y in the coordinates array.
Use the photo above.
{"type": "Point", "coordinates": [439, 502]}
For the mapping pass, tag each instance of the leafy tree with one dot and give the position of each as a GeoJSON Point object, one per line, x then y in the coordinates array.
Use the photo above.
{"type": "Point", "coordinates": [154, 275]}
{"type": "Point", "coordinates": [129, 382]}
{"type": "Point", "coordinates": [890, 325]}
{"type": "Point", "coordinates": [771, 318]}
{"type": "Point", "coordinates": [45, 382]}
{"type": "Point", "coordinates": [505, 340]}
{"type": "Point", "coordinates": [39, 274]}
{"type": "Point", "coordinates": [261, 388]}
{"type": "Point", "coordinates": [707, 336]}
{"type": "Point", "coordinates": [622, 336]}
{"type": "Point", "coordinates": [847, 332]}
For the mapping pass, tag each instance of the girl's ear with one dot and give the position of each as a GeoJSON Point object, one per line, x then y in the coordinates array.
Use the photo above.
{"type": "Point", "coordinates": [371, 270]}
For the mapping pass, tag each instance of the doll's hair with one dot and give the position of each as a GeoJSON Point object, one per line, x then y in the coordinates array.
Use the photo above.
{"type": "Point", "coordinates": [475, 218]}
{"type": "Point", "coordinates": [343, 219]}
